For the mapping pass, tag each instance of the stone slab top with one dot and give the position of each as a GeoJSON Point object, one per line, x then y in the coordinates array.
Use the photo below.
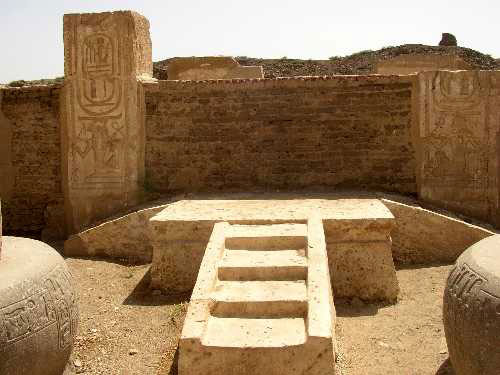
{"type": "Point", "coordinates": [298, 210]}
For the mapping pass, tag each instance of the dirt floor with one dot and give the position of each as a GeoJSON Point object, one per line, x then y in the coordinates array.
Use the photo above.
{"type": "Point", "coordinates": [125, 328]}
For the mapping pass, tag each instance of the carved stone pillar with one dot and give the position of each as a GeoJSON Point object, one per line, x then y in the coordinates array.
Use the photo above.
{"type": "Point", "coordinates": [105, 55]}
{"type": "Point", "coordinates": [457, 145]}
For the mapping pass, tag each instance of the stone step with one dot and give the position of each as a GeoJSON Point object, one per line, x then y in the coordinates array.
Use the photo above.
{"type": "Point", "coordinates": [260, 299]}
{"type": "Point", "coordinates": [254, 333]}
{"type": "Point", "coordinates": [248, 265]}
{"type": "Point", "coordinates": [266, 237]}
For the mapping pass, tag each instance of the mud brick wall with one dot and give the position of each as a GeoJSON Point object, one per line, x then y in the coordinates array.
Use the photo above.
{"type": "Point", "coordinates": [32, 197]}
{"type": "Point", "coordinates": [290, 134]}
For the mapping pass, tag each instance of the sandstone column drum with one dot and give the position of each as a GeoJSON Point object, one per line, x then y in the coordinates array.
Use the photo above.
{"type": "Point", "coordinates": [38, 310]}
{"type": "Point", "coordinates": [471, 310]}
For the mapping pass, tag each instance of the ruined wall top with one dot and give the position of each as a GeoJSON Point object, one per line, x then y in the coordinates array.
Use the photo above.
{"type": "Point", "coordinates": [408, 64]}
{"type": "Point", "coordinates": [210, 67]}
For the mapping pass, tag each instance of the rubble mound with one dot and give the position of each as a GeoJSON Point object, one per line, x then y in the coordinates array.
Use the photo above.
{"type": "Point", "coordinates": [363, 62]}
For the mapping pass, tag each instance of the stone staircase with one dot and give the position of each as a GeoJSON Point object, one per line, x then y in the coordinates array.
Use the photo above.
{"type": "Point", "coordinates": [262, 303]}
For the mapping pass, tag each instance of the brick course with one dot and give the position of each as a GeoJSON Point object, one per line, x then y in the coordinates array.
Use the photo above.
{"type": "Point", "coordinates": [33, 113]}
{"type": "Point", "coordinates": [291, 133]}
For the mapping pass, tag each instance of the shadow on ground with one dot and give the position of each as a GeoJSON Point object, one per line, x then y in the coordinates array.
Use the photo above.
{"type": "Point", "coordinates": [346, 307]}
{"type": "Point", "coordinates": [143, 295]}
{"type": "Point", "coordinates": [174, 369]}
{"type": "Point", "coordinates": [445, 368]}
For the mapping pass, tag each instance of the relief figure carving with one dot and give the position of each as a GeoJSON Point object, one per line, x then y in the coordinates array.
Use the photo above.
{"type": "Point", "coordinates": [99, 145]}
{"type": "Point", "coordinates": [456, 90]}
{"type": "Point", "coordinates": [455, 153]}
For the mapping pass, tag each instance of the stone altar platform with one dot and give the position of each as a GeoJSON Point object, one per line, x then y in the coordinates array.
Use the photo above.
{"type": "Point", "coordinates": [272, 314]}
{"type": "Point", "coordinates": [357, 233]}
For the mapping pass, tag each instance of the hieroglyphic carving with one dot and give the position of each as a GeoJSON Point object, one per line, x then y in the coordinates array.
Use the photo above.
{"type": "Point", "coordinates": [455, 133]}
{"type": "Point", "coordinates": [52, 302]}
{"type": "Point", "coordinates": [99, 119]}
{"type": "Point", "coordinates": [467, 285]}
{"type": "Point", "coordinates": [103, 119]}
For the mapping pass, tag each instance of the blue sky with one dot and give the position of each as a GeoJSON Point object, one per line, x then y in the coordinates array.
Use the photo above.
{"type": "Point", "coordinates": [32, 46]}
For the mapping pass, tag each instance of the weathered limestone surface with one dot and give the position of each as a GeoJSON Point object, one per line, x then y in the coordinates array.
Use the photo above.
{"type": "Point", "coordinates": [409, 64]}
{"type": "Point", "coordinates": [471, 310]}
{"type": "Point", "coordinates": [124, 237]}
{"type": "Point", "coordinates": [297, 133]}
{"type": "Point", "coordinates": [38, 309]}
{"type": "Point", "coordinates": [202, 68]}
{"type": "Point", "coordinates": [458, 143]}
{"type": "Point", "coordinates": [420, 236]}
{"type": "Point", "coordinates": [423, 237]}
{"type": "Point", "coordinates": [360, 256]}
{"type": "Point", "coordinates": [30, 161]}
{"type": "Point", "coordinates": [266, 326]}
{"type": "Point", "coordinates": [180, 232]}
{"type": "Point", "coordinates": [103, 124]}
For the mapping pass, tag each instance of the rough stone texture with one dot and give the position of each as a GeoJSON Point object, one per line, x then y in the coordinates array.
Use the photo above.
{"type": "Point", "coordinates": [420, 236]}
{"type": "Point", "coordinates": [180, 232]}
{"type": "Point", "coordinates": [448, 39]}
{"type": "Point", "coordinates": [424, 237]}
{"type": "Point", "coordinates": [266, 327]}
{"type": "Point", "coordinates": [38, 311]}
{"type": "Point", "coordinates": [363, 270]}
{"type": "Point", "coordinates": [30, 161]}
{"type": "Point", "coordinates": [360, 257]}
{"type": "Point", "coordinates": [103, 127]}
{"type": "Point", "coordinates": [358, 63]}
{"type": "Point", "coordinates": [123, 237]}
{"type": "Point", "coordinates": [408, 64]}
{"type": "Point", "coordinates": [471, 310]}
{"type": "Point", "coordinates": [202, 68]}
{"type": "Point", "coordinates": [458, 146]}
{"type": "Point", "coordinates": [280, 134]}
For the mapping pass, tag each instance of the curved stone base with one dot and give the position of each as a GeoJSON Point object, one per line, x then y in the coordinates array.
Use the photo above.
{"type": "Point", "coordinates": [38, 311]}
{"type": "Point", "coordinates": [471, 310]}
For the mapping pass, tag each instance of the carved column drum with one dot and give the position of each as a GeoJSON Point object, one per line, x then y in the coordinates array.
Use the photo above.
{"type": "Point", "coordinates": [38, 311]}
{"type": "Point", "coordinates": [471, 310]}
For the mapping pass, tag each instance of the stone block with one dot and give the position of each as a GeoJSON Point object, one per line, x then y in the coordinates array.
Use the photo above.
{"type": "Point", "coordinates": [411, 64]}
{"type": "Point", "coordinates": [425, 237]}
{"type": "Point", "coordinates": [202, 68]}
{"type": "Point", "coordinates": [103, 113]}
{"type": "Point", "coordinates": [364, 270]}
{"type": "Point", "coordinates": [357, 230]}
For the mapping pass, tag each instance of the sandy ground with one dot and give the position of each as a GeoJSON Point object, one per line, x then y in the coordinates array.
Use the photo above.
{"type": "Point", "coordinates": [125, 328]}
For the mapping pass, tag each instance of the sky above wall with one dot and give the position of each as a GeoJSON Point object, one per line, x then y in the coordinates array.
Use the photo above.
{"type": "Point", "coordinates": [32, 45]}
